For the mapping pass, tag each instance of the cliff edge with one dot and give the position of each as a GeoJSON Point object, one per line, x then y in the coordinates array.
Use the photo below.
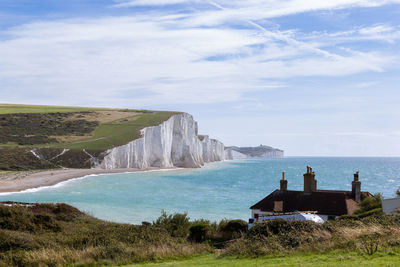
{"type": "Point", "coordinates": [173, 143]}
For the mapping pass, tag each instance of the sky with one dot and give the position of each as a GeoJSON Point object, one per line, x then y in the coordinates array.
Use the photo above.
{"type": "Point", "coordinates": [314, 78]}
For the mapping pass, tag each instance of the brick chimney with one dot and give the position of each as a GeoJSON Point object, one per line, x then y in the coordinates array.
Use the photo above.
{"type": "Point", "coordinates": [310, 184]}
{"type": "Point", "coordinates": [283, 182]}
{"type": "Point", "coordinates": [356, 188]}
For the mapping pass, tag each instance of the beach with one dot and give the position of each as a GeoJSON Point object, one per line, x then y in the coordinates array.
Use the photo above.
{"type": "Point", "coordinates": [23, 180]}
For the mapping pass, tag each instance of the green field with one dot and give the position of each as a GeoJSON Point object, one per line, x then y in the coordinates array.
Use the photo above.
{"type": "Point", "coordinates": [106, 135]}
{"type": "Point", "coordinates": [51, 128]}
{"type": "Point", "coordinates": [337, 258]}
{"type": "Point", "coordinates": [119, 132]}
{"type": "Point", "coordinates": [14, 108]}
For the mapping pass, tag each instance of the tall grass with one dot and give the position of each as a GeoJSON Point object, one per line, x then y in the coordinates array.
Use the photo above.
{"type": "Point", "coordinates": [60, 235]}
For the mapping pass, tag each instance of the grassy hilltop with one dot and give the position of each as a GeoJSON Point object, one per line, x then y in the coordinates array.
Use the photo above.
{"type": "Point", "coordinates": [54, 128]}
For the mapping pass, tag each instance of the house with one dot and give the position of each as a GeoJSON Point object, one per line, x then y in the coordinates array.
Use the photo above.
{"type": "Point", "coordinates": [326, 204]}
{"type": "Point", "coordinates": [391, 205]}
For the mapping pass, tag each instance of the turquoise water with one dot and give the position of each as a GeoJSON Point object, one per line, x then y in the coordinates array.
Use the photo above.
{"type": "Point", "coordinates": [217, 191]}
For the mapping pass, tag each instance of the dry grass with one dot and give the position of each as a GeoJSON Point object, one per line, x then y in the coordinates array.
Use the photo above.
{"type": "Point", "coordinates": [104, 116]}
{"type": "Point", "coordinates": [59, 235]}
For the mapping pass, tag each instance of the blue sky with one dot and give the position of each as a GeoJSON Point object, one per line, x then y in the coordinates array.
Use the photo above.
{"type": "Point", "coordinates": [316, 78]}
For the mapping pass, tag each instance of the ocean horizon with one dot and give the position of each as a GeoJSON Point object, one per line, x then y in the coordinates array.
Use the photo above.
{"type": "Point", "coordinates": [219, 190]}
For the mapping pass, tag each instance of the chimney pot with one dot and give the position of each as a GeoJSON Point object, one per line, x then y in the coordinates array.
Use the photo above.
{"type": "Point", "coordinates": [283, 182]}
{"type": "Point", "coordinates": [310, 184]}
{"type": "Point", "coordinates": [356, 188]}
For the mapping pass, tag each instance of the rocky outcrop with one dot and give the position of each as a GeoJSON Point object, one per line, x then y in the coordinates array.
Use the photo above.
{"type": "Point", "coordinates": [253, 152]}
{"type": "Point", "coordinates": [174, 143]}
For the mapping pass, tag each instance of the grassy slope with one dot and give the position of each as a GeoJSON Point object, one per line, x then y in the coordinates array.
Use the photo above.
{"type": "Point", "coordinates": [337, 258]}
{"type": "Point", "coordinates": [118, 133]}
{"type": "Point", "coordinates": [60, 235]}
{"type": "Point", "coordinates": [14, 108]}
{"type": "Point", "coordinates": [106, 135]}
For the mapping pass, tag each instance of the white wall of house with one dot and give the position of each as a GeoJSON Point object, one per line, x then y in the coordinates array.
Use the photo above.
{"type": "Point", "coordinates": [268, 214]}
{"type": "Point", "coordinates": [390, 205]}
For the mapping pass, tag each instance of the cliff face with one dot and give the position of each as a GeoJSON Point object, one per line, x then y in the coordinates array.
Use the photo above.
{"type": "Point", "coordinates": [233, 154]}
{"type": "Point", "coordinates": [253, 152]}
{"type": "Point", "coordinates": [174, 143]}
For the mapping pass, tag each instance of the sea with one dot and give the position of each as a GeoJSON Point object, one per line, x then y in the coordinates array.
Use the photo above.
{"type": "Point", "coordinates": [220, 190]}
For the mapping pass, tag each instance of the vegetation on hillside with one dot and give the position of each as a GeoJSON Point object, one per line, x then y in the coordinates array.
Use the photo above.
{"type": "Point", "coordinates": [58, 234]}
{"type": "Point", "coordinates": [36, 128]}
{"type": "Point", "coordinates": [19, 159]}
{"type": "Point", "coordinates": [51, 128]}
{"type": "Point", "coordinates": [15, 108]}
{"type": "Point", "coordinates": [119, 132]}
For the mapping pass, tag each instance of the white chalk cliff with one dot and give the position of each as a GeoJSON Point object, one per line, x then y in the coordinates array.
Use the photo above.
{"type": "Point", "coordinates": [173, 143]}
{"type": "Point", "coordinates": [233, 154]}
{"type": "Point", "coordinates": [261, 151]}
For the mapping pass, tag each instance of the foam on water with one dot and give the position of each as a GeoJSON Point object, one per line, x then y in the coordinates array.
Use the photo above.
{"type": "Point", "coordinates": [219, 190]}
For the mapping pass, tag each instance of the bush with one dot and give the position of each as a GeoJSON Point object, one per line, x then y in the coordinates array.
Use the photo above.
{"type": "Point", "coordinates": [233, 228]}
{"type": "Point", "coordinates": [10, 240]}
{"type": "Point", "coordinates": [245, 247]}
{"type": "Point", "coordinates": [198, 232]}
{"type": "Point", "coordinates": [370, 242]}
{"type": "Point", "coordinates": [280, 226]}
{"type": "Point", "coordinates": [177, 224]}
{"type": "Point", "coordinates": [369, 203]}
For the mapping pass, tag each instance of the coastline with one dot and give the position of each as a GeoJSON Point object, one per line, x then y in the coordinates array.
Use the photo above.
{"type": "Point", "coordinates": [19, 181]}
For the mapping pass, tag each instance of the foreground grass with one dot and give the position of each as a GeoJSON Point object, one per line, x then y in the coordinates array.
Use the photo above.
{"type": "Point", "coordinates": [337, 258]}
{"type": "Point", "coordinates": [60, 235]}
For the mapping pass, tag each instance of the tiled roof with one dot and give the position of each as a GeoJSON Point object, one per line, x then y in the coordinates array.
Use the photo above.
{"type": "Point", "coordinates": [326, 202]}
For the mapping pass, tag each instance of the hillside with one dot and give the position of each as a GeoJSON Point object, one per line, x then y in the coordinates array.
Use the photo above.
{"type": "Point", "coordinates": [60, 235]}
{"type": "Point", "coordinates": [65, 136]}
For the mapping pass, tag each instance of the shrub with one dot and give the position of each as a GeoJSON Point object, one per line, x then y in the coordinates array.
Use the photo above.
{"type": "Point", "coordinates": [198, 232]}
{"type": "Point", "coordinates": [233, 228]}
{"type": "Point", "coordinates": [245, 247]}
{"type": "Point", "coordinates": [177, 224]}
{"type": "Point", "coordinates": [15, 218]}
{"type": "Point", "coordinates": [280, 226]}
{"type": "Point", "coordinates": [10, 240]}
{"type": "Point", "coordinates": [370, 242]}
{"type": "Point", "coordinates": [369, 203]}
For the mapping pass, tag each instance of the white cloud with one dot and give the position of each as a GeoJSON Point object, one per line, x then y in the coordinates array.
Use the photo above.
{"type": "Point", "coordinates": [125, 3]}
{"type": "Point", "coordinates": [366, 84]}
{"type": "Point", "coordinates": [381, 33]}
{"type": "Point", "coordinates": [228, 10]}
{"type": "Point", "coordinates": [157, 58]}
